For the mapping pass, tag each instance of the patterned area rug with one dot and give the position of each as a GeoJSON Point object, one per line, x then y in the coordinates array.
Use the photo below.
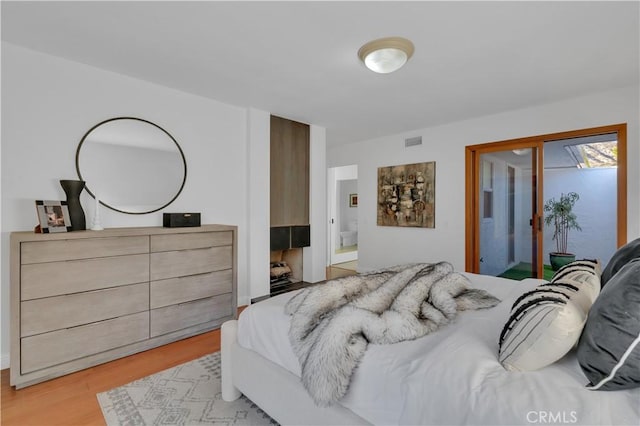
{"type": "Point", "coordinates": [188, 394]}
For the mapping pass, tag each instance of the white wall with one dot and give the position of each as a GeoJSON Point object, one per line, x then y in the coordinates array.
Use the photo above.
{"type": "Point", "coordinates": [48, 104]}
{"type": "Point", "coordinates": [4, 289]}
{"type": "Point", "coordinates": [596, 211]}
{"type": "Point", "coordinates": [258, 195]}
{"type": "Point", "coordinates": [382, 246]}
{"type": "Point", "coordinates": [346, 213]}
{"type": "Point", "coordinates": [314, 257]}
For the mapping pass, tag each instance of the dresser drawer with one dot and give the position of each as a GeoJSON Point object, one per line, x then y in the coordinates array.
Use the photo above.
{"type": "Point", "coordinates": [190, 241]}
{"type": "Point", "coordinates": [54, 313]}
{"type": "Point", "coordinates": [56, 278]}
{"type": "Point", "coordinates": [56, 347]}
{"type": "Point", "coordinates": [171, 264]}
{"type": "Point", "coordinates": [184, 289]}
{"type": "Point", "coordinates": [60, 250]}
{"type": "Point", "coordinates": [176, 317]}
{"type": "Point", "coordinates": [83, 298]}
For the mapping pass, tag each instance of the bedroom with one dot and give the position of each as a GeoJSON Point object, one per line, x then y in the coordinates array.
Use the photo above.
{"type": "Point", "coordinates": [50, 99]}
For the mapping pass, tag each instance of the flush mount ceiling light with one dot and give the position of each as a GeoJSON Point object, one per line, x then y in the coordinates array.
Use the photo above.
{"type": "Point", "coordinates": [386, 55]}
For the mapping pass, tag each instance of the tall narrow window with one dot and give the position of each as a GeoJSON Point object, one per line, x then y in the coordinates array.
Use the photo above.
{"type": "Point", "coordinates": [511, 212]}
{"type": "Point", "coordinates": [487, 189]}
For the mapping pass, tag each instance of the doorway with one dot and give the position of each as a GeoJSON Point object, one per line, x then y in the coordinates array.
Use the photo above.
{"type": "Point", "coordinates": [343, 213]}
{"type": "Point", "coordinates": [508, 185]}
{"type": "Point", "coordinates": [509, 182]}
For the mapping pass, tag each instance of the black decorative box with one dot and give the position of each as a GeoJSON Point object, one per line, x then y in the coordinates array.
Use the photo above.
{"type": "Point", "coordinates": [179, 220]}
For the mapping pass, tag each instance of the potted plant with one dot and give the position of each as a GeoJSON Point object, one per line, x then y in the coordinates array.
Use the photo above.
{"type": "Point", "coordinates": [559, 213]}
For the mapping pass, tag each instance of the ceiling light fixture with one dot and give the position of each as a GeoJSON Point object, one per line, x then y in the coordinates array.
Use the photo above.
{"type": "Point", "coordinates": [386, 55]}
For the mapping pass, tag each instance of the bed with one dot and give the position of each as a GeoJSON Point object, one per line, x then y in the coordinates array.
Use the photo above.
{"type": "Point", "coordinates": [451, 376]}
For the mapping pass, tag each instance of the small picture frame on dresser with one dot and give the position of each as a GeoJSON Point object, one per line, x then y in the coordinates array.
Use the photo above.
{"type": "Point", "coordinates": [53, 216]}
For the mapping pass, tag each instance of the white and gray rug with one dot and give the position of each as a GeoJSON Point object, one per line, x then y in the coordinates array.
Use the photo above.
{"type": "Point", "coordinates": [188, 394]}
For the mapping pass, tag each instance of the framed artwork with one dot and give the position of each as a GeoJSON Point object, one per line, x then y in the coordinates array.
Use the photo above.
{"type": "Point", "coordinates": [53, 216]}
{"type": "Point", "coordinates": [353, 200]}
{"type": "Point", "coordinates": [407, 195]}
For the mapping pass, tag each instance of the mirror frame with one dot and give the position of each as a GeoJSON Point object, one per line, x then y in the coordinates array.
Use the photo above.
{"type": "Point", "coordinates": [184, 163]}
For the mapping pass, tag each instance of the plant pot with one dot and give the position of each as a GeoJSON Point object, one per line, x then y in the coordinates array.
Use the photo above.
{"type": "Point", "coordinates": [558, 260]}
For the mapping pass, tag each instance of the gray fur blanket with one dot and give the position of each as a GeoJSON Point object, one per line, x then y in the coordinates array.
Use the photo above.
{"type": "Point", "coordinates": [332, 323]}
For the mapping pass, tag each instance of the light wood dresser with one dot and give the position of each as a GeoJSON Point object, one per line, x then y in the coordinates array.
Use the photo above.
{"type": "Point", "coordinates": [83, 298]}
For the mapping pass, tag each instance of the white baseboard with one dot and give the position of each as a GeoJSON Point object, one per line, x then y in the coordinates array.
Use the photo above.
{"type": "Point", "coordinates": [244, 301]}
{"type": "Point", "coordinates": [4, 361]}
{"type": "Point", "coordinates": [344, 257]}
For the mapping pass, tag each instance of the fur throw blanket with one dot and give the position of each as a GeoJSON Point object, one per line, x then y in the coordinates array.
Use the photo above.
{"type": "Point", "coordinates": [332, 323]}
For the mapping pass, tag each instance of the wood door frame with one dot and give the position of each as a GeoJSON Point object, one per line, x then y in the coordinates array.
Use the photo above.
{"type": "Point", "coordinates": [472, 169]}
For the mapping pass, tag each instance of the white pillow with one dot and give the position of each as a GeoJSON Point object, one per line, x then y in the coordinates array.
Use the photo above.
{"type": "Point", "coordinates": [546, 322]}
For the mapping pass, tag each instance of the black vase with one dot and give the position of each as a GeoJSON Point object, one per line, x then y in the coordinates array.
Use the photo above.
{"type": "Point", "coordinates": [73, 188]}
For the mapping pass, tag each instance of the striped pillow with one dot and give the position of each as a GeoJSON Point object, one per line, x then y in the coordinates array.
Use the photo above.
{"type": "Point", "coordinates": [546, 323]}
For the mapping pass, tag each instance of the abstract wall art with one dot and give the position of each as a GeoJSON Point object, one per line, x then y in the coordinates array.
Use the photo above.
{"type": "Point", "coordinates": [407, 195]}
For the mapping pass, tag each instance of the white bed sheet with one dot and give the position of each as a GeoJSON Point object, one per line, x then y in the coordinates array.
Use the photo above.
{"type": "Point", "coordinates": [452, 376]}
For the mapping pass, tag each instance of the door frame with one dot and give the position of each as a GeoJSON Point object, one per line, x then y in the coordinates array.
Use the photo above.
{"type": "Point", "coordinates": [334, 176]}
{"type": "Point", "coordinates": [472, 193]}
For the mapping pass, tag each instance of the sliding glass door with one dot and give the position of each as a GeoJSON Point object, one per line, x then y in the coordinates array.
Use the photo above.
{"type": "Point", "coordinates": [585, 167]}
{"type": "Point", "coordinates": [508, 183]}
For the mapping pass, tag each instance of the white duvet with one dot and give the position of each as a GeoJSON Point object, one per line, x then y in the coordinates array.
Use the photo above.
{"type": "Point", "coordinates": [452, 376]}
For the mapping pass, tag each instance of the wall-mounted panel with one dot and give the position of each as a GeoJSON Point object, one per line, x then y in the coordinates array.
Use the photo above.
{"type": "Point", "coordinates": [289, 173]}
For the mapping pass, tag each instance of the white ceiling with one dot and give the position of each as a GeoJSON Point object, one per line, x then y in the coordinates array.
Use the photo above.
{"type": "Point", "coordinates": [299, 59]}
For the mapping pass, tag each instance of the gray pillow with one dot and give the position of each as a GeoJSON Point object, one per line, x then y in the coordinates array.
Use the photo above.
{"type": "Point", "coordinates": [619, 259]}
{"type": "Point", "coordinates": [609, 348]}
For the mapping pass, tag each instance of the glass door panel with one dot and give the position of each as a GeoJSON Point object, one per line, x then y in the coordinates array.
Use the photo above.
{"type": "Point", "coordinates": [507, 205]}
{"type": "Point", "coordinates": [587, 166]}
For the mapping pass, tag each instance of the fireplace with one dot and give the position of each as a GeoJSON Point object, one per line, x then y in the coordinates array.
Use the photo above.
{"type": "Point", "coordinates": [286, 268]}
{"type": "Point", "coordinates": [286, 256]}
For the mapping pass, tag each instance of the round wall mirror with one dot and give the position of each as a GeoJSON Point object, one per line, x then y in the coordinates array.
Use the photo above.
{"type": "Point", "coordinates": [131, 165]}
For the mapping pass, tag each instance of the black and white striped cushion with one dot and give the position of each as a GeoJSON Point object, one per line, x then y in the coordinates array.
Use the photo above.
{"type": "Point", "coordinates": [546, 323]}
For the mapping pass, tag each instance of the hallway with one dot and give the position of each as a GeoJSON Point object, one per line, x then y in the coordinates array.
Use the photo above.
{"type": "Point", "coordinates": [342, 269]}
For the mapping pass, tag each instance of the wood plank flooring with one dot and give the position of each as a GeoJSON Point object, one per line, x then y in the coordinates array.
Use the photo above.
{"type": "Point", "coordinates": [337, 272]}
{"type": "Point", "coordinates": [71, 399]}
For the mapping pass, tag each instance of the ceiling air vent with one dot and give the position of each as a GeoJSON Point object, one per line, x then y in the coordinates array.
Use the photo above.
{"type": "Point", "coordinates": [413, 141]}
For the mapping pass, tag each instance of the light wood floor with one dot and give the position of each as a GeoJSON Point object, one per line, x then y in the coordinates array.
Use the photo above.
{"type": "Point", "coordinates": [71, 400]}
{"type": "Point", "coordinates": [337, 272]}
